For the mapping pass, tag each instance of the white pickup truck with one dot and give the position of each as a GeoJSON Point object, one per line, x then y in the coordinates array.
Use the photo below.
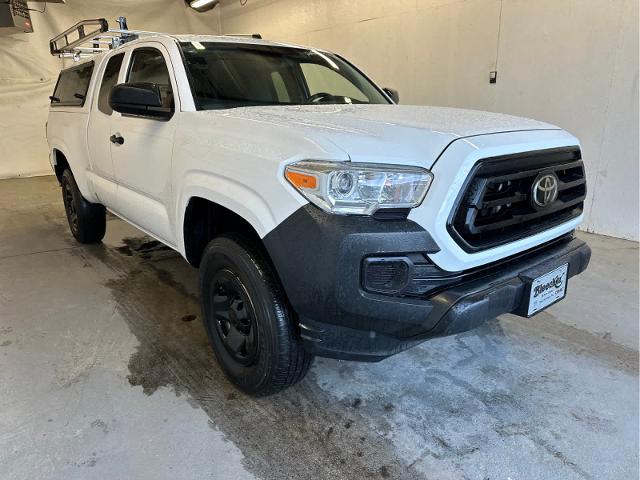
{"type": "Point", "coordinates": [325, 218]}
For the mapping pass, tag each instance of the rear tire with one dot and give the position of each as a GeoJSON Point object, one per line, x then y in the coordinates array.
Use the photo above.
{"type": "Point", "coordinates": [248, 320]}
{"type": "Point", "coordinates": [87, 221]}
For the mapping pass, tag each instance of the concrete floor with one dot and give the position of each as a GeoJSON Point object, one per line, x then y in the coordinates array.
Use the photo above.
{"type": "Point", "coordinates": [105, 372]}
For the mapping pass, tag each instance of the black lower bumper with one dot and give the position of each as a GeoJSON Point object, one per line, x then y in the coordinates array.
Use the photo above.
{"type": "Point", "coordinates": [321, 270]}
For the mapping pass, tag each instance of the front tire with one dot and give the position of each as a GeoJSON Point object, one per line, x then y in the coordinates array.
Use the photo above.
{"type": "Point", "coordinates": [87, 221]}
{"type": "Point", "coordinates": [248, 320]}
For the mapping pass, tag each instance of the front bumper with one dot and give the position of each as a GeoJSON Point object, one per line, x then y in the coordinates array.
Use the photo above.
{"type": "Point", "coordinates": [318, 258]}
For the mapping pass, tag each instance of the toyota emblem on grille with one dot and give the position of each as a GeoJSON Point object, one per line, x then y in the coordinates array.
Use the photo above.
{"type": "Point", "coordinates": [545, 190]}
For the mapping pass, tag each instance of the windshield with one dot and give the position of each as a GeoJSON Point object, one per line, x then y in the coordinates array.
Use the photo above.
{"type": "Point", "coordinates": [226, 75]}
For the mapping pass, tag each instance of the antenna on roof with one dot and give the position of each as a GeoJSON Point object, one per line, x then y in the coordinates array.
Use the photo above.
{"type": "Point", "coordinates": [125, 37]}
{"type": "Point", "coordinates": [122, 22]}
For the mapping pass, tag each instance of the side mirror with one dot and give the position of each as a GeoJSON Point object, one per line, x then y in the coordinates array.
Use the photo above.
{"type": "Point", "coordinates": [139, 99]}
{"type": "Point", "coordinates": [393, 94]}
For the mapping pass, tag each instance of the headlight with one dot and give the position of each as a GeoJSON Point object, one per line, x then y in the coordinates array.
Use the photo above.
{"type": "Point", "coordinates": [358, 188]}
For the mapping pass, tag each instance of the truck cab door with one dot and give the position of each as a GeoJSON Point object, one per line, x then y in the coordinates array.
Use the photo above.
{"type": "Point", "coordinates": [141, 149]}
{"type": "Point", "coordinates": [101, 173]}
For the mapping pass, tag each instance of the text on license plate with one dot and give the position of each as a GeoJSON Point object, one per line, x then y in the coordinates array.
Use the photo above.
{"type": "Point", "coordinates": [548, 289]}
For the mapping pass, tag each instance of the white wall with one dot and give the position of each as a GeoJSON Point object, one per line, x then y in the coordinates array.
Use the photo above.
{"type": "Point", "coordinates": [573, 63]}
{"type": "Point", "coordinates": [28, 72]}
{"type": "Point", "coordinates": [569, 62]}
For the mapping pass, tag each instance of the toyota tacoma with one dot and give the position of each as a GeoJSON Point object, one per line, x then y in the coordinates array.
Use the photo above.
{"type": "Point", "coordinates": [325, 219]}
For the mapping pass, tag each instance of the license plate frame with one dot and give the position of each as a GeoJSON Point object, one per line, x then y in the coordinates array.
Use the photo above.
{"type": "Point", "coordinates": [546, 290]}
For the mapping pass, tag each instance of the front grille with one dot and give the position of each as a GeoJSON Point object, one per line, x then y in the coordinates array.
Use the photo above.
{"type": "Point", "coordinates": [496, 205]}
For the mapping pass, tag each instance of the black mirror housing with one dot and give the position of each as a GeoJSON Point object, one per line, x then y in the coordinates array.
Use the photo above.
{"type": "Point", "coordinates": [393, 94]}
{"type": "Point", "coordinates": [139, 99]}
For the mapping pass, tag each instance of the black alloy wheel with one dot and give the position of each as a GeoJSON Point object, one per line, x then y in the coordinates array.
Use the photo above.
{"type": "Point", "coordinates": [234, 317]}
{"type": "Point", "coordinates": [87, 221]}
{"type": "Point", "coordinates": [70, 207]}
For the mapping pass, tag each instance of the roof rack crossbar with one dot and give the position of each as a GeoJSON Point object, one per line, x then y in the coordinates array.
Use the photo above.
{"type": "Point", "coordinates": [133, 32]}
{"type": "Point", "coordinates": [92, 50]}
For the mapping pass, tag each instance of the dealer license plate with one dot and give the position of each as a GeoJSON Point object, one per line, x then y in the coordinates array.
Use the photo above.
{"type": "Point", "coordinates": [547, 289]}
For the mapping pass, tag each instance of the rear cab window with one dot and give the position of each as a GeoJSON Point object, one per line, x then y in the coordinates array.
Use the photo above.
{"type": "Point", "coordinates": [72, 86]}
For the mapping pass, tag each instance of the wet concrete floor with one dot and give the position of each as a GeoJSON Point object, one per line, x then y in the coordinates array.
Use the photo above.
{"type": "Point", "coordinates": [106, 372]}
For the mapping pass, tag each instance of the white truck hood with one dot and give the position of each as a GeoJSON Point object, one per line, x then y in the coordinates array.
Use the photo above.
{"type": "Point", "coordinates": [384, 133]}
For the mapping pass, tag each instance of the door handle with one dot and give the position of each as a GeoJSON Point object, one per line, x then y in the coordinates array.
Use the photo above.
{"type": "Point", "coordinates": [117, 138]}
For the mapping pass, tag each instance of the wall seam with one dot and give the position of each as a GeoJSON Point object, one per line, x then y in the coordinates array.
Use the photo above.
{"type": "Point", "coordinates": [590, 226]}
{"type": "Point", "coordinates": [498, 40]}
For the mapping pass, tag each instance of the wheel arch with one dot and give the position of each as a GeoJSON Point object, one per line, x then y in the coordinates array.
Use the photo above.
{"type": "Point", "coordinates": [205, 212]}
{"type": "Point", "coordinates": [59, 163]}
{"type": "Point", "coordinates": [231, 194]}
{"type": "Point", "coordinates": [60, 156]}
{"type": "Point", "coordinates": [205, 220]}
{"type": "Point", "coordinates": [61, 159]}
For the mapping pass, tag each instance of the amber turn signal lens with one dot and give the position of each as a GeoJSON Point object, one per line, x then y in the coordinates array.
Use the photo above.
{"type": "Point", "coordinates": [302, 180]}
